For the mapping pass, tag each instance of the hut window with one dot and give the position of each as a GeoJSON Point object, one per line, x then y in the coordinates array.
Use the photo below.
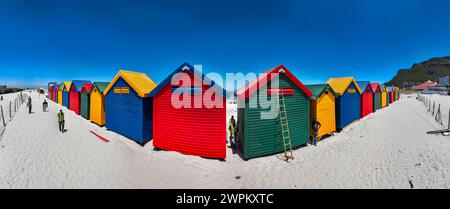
{"type": "Point", "coordinates": [187, 89]}
{"type": "Point", "coordinates": [277, 91]}
{"type": "Point", "coordinates": [351, 90]}
{"type": "Point", "coordinates": [121, 90]}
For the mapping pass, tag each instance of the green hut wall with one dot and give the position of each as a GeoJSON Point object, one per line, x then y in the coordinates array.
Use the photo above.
{"type": "Point", "coordinates": [261, 137]}
{"type": "Point", "coordinates": [376, 101]}
{"type": "Point", "coordinates": [85, 104]}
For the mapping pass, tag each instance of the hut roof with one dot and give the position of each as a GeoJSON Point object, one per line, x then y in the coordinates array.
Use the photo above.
{"type": "Point", "coordinates": [87, 87]}
{"type": "Point", "coordinates": [318, 89]}
{"type": "Point", "coordinates": [187, 67]}
{"type": "Point", "coordinates": [66, 85]}
{"type": "Point", "coordinates": [79, 84]}
{"type": "Point", "coordinates": [253, 86]}
{"type": "Point", "coordinates": [340, 85]}
{"type": "Point", "coordinates": [375, 86]}
{"type": "Point", "coordinates": [140, 82]}
{"type": "Point", "coordinates": [101, 86]}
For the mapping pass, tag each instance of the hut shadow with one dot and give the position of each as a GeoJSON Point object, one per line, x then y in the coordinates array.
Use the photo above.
{"type": "Point", "coordinates": [325, 137]}
{"type": "Point", "coordinates": [207, 158]}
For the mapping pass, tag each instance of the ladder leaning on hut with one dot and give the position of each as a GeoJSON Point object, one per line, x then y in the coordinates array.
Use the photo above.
{"type": "Point", "coordinates": [284, 123]}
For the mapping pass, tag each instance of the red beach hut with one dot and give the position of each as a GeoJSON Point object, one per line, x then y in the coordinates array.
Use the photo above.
{"type": "Point", "coordinates": [74, 95]}
{"type": "Point", "coordinates": [366, 98]}
{"type": "Point", "coordinates": [194, 128]}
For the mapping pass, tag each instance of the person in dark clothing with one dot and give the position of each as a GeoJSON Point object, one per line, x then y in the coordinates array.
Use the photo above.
{"type": "Point", "coordinates": [29, 105]}
{"type": "Point", "coordinates": [315, 127]}
{"type": "Point", "coordinates": [61, 121]}
{"type": "Point", "coordinates": [44, 106]}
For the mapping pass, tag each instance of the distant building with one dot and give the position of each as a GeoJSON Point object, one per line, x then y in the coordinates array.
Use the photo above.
{"type": "Point", "coordinates": [442, 90]}
{"type": "Point", "coordinates": [444, 81]}
{"type": "Point", "coordinates": [423, 86]}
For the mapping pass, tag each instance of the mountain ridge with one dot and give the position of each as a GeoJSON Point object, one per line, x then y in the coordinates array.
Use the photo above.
{"type": "Point", "coordinates": [431, 69]}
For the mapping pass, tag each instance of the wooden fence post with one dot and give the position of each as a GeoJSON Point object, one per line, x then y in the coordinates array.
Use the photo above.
{"type": "Point", "coordinates": [448, 124]}
{"type": "Point", "coordinates": [438, 117]}
{"type": "Point", "coordinates": [432, 113]}
{"type": "Point", "coordinates": [3, 116]}
{"type": "Point", "coordinates": [10, 113]}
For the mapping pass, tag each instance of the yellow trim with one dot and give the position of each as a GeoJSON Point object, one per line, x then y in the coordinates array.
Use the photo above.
{"type": "Point", "coordinates": [340, 85]}
{"type": "Point", "coordinates": [140, 82]}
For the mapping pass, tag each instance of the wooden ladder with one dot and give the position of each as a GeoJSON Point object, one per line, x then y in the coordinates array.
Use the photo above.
{"type": "Point", "coordinates": [284, 123]}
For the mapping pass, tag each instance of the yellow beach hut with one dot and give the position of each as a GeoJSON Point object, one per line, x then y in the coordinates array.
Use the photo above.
{"type": "Point", "coordinates": [384, 92]}
{"type": "Point", "coordinates": [60, 93]}
{"type": "Point", "coordinates": [97, 103]}
{"type": "Point", "coordinates": [323, 108]}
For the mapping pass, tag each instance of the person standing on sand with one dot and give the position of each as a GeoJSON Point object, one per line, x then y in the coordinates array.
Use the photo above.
{"type": "Point", "coordinates": [61, 121]}
{"type": "Point", "coordinates": [44, 106]}
{"type": "Point", "coordinates": [29, 105]}
{"type": "Point", "coordinates": [232, 128]}
{"type": "Point", "coordinates": [315, 126]}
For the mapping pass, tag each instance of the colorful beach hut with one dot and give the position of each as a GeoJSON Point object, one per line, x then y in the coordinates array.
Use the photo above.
{"type": "Point", "coordinates": [200, 129]}
{"type": "Point", "coordinates": [348, 102]}
{"type": "Point", "coordinates": [391, 94]}
{"type": "Point", "coordinates": [388, 96]}
{"type": "Point", "coordinates": [397, 93]}
{"type": "Point", "coordinates": [65, 94]}
{"type": "Point", "coordinates": [128, 106]}
{"type": "Point", "coordinates": [97, 103]}
{"type": "Point", "coordinates": [384, 94]}
{"type": "Point", "coordinates": [60, 94]}
{"type": "Point", "coordinates": [366, 98]}
{"type": "Point", "coordinates": [84, 100]}
{"type": "Point", "coordinates": [259, 122]}
{"type": "Point", "coordinates": [323, 108]}
{"type": "Point", "coordinates": [376, 96]}
{"type": "Point", "coordinates": [74, 95]}
{"type": "Point", "coordinates": [51, 90]}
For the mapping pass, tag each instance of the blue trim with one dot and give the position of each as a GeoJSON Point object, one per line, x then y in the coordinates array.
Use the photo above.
{"type": "Point", "coordinates": [168, 80]}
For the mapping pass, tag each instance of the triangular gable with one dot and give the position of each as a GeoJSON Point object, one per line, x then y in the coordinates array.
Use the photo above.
{"type": "Point", "coordinates": [101, 86]}
{"type": "Point", "coordinates": [364, 84]}
{"type": "Point", "coordinates": [187, 67]}
{"type": "Point", "coordinates": [140, 82]}
{"type": "Point", "coordinates": [79, 84]}
{"type": "Point", "coordinates": [375, 86]}
{"type": "Point", "coordinates": [318, 89]}
{"type": "Point", "coordinates": [340, 85]}
{"type": "Point", "coordinates": [262, 79]}
{"type": "Point", "coordinates": [66, 86]}
{"type": "Point", "coordinates": [87, 88]}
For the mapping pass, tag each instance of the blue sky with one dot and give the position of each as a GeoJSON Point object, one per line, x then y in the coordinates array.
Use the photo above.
{"type": "Point", "coordinates": [58, 40]}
